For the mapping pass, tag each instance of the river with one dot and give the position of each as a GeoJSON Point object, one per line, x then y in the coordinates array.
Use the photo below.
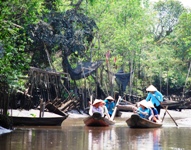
{"type": "Point", "coordinates": [73, 135]}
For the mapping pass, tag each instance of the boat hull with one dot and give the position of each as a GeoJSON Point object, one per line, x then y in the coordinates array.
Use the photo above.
{"type": "Point", "coordinates": [29, 121]}
{"type": "Point", "coordinates": [135, 121]}
{"type": "Point", "coordinates": [97, 120]}
{"type": "Point", "coordinates": [173, 105]}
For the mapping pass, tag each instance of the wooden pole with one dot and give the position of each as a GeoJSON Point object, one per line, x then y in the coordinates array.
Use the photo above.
{"type": "Point", "coordinates": [167, 112]}
{"type": "Point", "coordinates": [164, 113]}
{"type": "Point", "coordinates": [170, 116]}
{"type": "Point", "coordinates": [115, 109]}
{"type": "Point", "coordinates": [40, 114]}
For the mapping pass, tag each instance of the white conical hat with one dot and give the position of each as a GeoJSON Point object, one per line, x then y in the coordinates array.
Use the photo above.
{"type": "Point", "coordinates": [151, 88]}
{"type": "Point", "coordinates": [110, 98]}
{"type": "Point", "coordinates": [150, 104]}
{"type": "Point", "coordinates": [98, 101]}
{"type": "Point", "coordinates": [144, 103]}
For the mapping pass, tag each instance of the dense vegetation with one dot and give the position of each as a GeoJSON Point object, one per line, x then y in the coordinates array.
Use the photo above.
{"type": "Point", "coordinates": [152, 40]}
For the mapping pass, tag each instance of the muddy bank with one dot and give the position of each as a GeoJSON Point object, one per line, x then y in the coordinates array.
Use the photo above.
{"type": "Point", "coordinates": [185, 113]}
{"type": "Point", "coordinates": [182, 117]}
{"type": "Point", "coordinates": [30, 113]}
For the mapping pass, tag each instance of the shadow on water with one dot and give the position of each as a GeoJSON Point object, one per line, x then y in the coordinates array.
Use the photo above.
{"type": "Point", "coordinates": [73, 135]}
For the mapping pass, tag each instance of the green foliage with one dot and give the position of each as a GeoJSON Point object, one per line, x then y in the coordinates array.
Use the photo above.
{"type": "Point", "coordinates": [154, 42]}
{"type": "Point", "coordinates": [33, 115]}
{"type": "Point", "coordinates": [142, 39]}
{"type": "Point", "coordinates": [14, 17]}
{"type": "Point", "coordinates": [167, 14]}
{"type": "Point", "coordinates": [183, 37]}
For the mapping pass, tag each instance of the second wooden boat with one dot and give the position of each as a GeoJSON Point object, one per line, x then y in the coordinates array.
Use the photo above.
{"type": "Point", "coordinates": [36, 121]}
{"type": "Point", "coordinates": [173, 105]}
{"type": "Point", "coordinates": [135, 121]}
{"type": "Point", "coordinates": [97, 120]}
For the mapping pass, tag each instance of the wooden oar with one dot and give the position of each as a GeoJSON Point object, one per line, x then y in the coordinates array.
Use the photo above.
{"type": "Point", "coordinates": [90, 103]}
{"type": "Point", "coordinates": [170, 116]}
{"type": "Point", "coordinates": [167, 111]}
{"type": "Point", "coordinates": [91, 99]}
{"type": "Point", "coordinates": [164, 113]}
{"type": "Point", "coordinates": [115, 109]}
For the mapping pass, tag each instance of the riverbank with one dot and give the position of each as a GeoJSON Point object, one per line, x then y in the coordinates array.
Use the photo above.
{"type": "Point", "coordinates": [30, 113]}
{"type": "Point", "coordinates": [181, 117]}
{"type": "Point", "coordinates": [185, 113]}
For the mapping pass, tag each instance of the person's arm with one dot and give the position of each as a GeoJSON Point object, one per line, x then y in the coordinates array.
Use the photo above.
{"type": "Point", "coordinates": [113, 106]}
{"type": "Point", "coordinates": [148, 97]}
{"type": "Point", "coordinates": [151, 114]}
{"type": "Point", "coordinates": [139, 111]}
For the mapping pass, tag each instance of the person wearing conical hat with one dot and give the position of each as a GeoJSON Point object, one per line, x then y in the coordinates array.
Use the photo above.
{"type": "Point", "coordinates": [98, 106]}
{"type": "Point", "coordinates": [110, 104]}
{"type": "Point", "coordinates": [143, 109]}
{"type": "Point", "coordinates": [155, 97]}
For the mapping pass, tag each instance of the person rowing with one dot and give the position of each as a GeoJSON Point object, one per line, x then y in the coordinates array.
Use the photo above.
{"type": "Point", "coordinates": [110, 104]}
{"type": "Point", "coordinates": [155, 97]}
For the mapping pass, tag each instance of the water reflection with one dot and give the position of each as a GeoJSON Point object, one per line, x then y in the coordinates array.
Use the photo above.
{"type": "Point", "coordinates": [101, 137]}
{"type": "Point", "coordinates": [30, 139]}
{"type": "Point", "coordinates": [144, 139]}
{"type": "Point", "coordinates": [76, 136]}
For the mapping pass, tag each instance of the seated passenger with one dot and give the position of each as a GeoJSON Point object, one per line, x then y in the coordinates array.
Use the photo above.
{"type": "Point", "coordinates": [110, 104]}
{"type": "Point", "coordinates": [143, 110]}
{"type": "Point", "coordinates": [99, 107]}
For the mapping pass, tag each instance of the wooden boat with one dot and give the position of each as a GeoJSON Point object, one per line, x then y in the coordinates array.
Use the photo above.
{"type": "Point", "coordinates": [36, 121]}
{"type": "Point", "coordinates": [97, 120]}
{"type": "Point", "coordinates": [173, 105]}
{"type": "Point", "coordinates": [126, 108]}
{"type": "Point", "coordinates": [135, 121]}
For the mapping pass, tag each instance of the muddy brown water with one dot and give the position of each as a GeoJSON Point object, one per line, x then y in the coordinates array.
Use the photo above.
{"type": "Point", "coordinates": [74, 135]}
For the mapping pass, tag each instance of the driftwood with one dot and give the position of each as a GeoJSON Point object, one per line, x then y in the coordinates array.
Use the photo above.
{"type": "Point", "coordinates": [69, 105]}
{"type": "Point", "coordinates": [55, 110]}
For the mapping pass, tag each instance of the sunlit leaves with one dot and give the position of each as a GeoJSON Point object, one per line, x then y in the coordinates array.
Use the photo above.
{"type": "Point", "coordinates": [14, 17]}
{"type": "Point", "coordinates": [183, 38]}
{"type": "Point", "coordinates": [167, 14]}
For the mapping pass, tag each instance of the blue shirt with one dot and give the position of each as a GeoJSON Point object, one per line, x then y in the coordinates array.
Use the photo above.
{"type": "Point", "coordinates": [146, 110]}
{"type": "Point", "coordinates": [155, 98]}
{"type": "Point", "coordinates": [110, 106]}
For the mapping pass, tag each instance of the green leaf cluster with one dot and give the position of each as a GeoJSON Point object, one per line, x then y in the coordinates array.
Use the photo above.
{"type": "Point", "coordinates": [153, 40]}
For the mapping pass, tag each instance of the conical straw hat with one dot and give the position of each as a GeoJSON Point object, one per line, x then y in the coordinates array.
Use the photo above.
{"type": "Point", "coordinates": [151, 88]}
{"type": "Point", "coordinates": [110, 98]}
{"type": "Point", "coordinates": [144, 103]}
{"type": "Point", "coordinates": [98, 101]}
{"type": "Point", "coordinates": [150, 104]}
